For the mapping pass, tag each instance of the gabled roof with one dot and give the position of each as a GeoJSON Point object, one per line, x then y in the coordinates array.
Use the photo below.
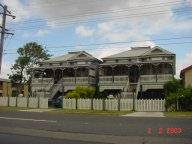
{"type": "Point", "coordinates": [139, 51]}
{"type": "Point", "coordinates": [79, 55]}
{"type": "Point", "coordinates": [157, 50]}
{"type": "Point", "coordinates": [184, 70]}
{"type": "Point", "coordinates": [134, 52]}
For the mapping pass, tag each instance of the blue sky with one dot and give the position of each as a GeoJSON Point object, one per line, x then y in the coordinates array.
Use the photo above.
{"type": "Point", "coordinates": [57, 24]}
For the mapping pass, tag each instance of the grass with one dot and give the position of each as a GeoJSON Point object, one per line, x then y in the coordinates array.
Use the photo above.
{"type": "Point", "coordinates": [178, 114]}
{"type": "Point", "coordinates": [90, 112]}
{"type": "Point", "coordinates": [5, 108]}
{"type": "Point", "coordinates": [67, 111]}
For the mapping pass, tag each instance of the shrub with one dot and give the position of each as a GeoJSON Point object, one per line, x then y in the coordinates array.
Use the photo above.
{"type": "Point", "coordinates": [177, 97]}
{"type": "Point", "coordinates": [81, 92]}
{"type": "Point", "coordinates": [172, 86]}
{"type": "Point", "coordinates": [72, 94]}
{"type": "Point", "coordinates": [185, 100]}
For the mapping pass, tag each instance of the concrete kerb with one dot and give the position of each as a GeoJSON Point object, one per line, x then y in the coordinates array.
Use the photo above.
{"type": "Point", "coordinates": [145, 114]}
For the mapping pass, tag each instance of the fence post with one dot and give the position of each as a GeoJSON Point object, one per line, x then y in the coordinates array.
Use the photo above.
{"type": "Point", "coordinates": [27, 101]}
{"type": "Point", "coordinates": [62, 102]}
{"type": "Point", "coordinates": [91, 103]}
{"type": "Point", "coordinates": [8, 101]}
{"type": "Point", "coordinates": [16, 101]}
{"type": "Point", "coordinates": [76, 103]}
{"type": "Point", "coordinates": [103, 104]}
{"type": "Point", "coordinates": [119, 104]}
{"type": "Point", "coordinates": [38, 102]}
{"type": "Point", "coordinates": [133, 101]}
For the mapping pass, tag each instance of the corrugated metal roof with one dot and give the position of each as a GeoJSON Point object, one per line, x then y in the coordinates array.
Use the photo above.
{"type": "Point", "coordinates": [184, 70]}
{"type": "Point", "coordinates": [70, 56]}
{"type": "Point", "coordinates": [61, 58]}
{"type": "Point", "coordinates": [134, 52]}
{"type": "Point", "coordinates": [138, 51]}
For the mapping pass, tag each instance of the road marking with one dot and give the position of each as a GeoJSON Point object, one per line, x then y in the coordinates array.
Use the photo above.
{"type": "Point", "coordinates": [24, 119]}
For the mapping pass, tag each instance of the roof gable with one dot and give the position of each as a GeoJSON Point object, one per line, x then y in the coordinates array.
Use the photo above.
{"type": "Point", "coordinates": [184, 70]}
{"type": "Point", "coordinates": [79, 55]}
{"type": "Point", "coordinates": [157, 50]}
{"type": "Point", "coordinates": [82, 56]}
{"type": "Point", "coordinates": [133, 52]}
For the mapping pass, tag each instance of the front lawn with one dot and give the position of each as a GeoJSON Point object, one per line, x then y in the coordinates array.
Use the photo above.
{"type": "Point", "coordinates": [5, 108]}
{"type": "Point", "coordinates": [90, 112]}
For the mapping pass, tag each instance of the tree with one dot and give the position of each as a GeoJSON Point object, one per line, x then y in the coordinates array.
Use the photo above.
{"type": "Point", "coordinates": [177, 97]}
{"type": "Point", "coordinates": [172, 86]}
{"type": "Point", "coordinates": [29, 56]}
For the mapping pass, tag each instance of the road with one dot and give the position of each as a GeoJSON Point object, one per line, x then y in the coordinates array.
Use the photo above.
{"type": "Point", "coordinates": [53, 128]}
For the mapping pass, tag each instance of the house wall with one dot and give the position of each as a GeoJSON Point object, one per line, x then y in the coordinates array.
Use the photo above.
{"type": "Point", "coordinates": [6, 89]}
{"type": "Point", "coordinates": [188, 78]}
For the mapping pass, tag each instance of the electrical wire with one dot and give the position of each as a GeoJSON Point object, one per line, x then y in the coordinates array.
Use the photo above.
{"type": "Point", "coordinates": [115, 18]}
{"type": "Point", "coordinates": [104, 12]}
{"type": "Point", "coordinates": [187, 42]}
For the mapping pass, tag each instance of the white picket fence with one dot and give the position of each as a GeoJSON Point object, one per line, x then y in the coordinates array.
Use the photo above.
{"type": "Point", "coordinates": [114, 104]}
{"type": "Point", "coordinates": [24, 102]}
{"type": "Point", "coordinates": [150, 105]}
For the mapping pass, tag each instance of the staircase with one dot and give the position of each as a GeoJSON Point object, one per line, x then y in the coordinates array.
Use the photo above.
{"type": "Point", "coordinates": [127, 90]}
{"type": "Point", "coordinates": [127, 93]}
{"type": "Point", "coordinates": [55, 88]}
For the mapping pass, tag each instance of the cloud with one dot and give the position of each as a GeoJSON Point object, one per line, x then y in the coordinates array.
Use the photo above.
{"type": "Point", "coordinates": [42, 32]}
{"type": "Point", "coordinates": [18, 9]}
{"type": "Point", "coordinates": [190, 2]}
{"type": "Point", "coordinates": [38, 33]}
{"type": "Point", "coordinates": [84, 31]}
{"type": "Point", "coordinates": [138, 24]}
{"type": "Point", "coordinates": [127, 19]}
{"type": "Point", "coordinates": [183, 63]}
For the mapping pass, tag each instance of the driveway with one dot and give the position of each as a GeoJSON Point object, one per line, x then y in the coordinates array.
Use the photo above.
{"type": "Point", "coordinates": [145, 114]}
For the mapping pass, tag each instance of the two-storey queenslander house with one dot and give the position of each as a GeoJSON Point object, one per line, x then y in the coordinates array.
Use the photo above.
{"type": "Point", "coordinates": [64, 73]}
{"type": "Point", "coordinates": [142, 70]}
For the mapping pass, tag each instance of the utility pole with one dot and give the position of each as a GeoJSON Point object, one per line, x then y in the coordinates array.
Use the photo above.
{"type": "Point", "coordinates": [4, 31]}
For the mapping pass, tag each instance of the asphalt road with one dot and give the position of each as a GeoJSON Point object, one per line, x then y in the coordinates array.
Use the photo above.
{"type": "Point", "coordinates": [48, 128]}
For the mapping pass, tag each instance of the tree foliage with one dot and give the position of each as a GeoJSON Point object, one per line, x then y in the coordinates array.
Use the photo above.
{"type": "Point", "coordinates": [81, 92]}
{"type": "Point", "coordinates": [29, 56]}
{"type": "Point", "coordinates": [177, 97]}
{"type": "Point", "coordinates": [172, 86]}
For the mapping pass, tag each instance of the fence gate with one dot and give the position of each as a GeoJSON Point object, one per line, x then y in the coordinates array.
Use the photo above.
{"type": "Point", "coordinates": [150, 105]}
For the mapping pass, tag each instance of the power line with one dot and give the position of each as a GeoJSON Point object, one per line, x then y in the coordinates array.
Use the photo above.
{"type": "Point", "coordinates": [173, 43]}
{"type": "Point", "coordinates": [101, 19]}
{"type": "Point", "coordinates": [114, 43]}
{"type": "Point", "coordinates": [120, 42]}
{"type": "Point", "coordinates": [107, 12]}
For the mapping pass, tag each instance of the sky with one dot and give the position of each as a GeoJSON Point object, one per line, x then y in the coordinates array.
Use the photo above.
{"type": "Point", "coordinates": [100, 27]}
